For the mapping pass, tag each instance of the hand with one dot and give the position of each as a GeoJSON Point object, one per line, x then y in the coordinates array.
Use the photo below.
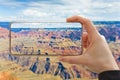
{"type": "Point", "coordinates": [97, 56]}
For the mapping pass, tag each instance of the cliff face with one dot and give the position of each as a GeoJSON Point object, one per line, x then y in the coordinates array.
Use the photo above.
{"type": "Point", "coordinates": [110, 33]}
{"type": "Point", "coordinates": [4, 33]}
{"type": "Point", "coordinates": [28, 65]}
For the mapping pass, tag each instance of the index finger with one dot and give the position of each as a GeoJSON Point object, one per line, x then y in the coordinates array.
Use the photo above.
{"type": "Point", "coordinates": [86, 23]}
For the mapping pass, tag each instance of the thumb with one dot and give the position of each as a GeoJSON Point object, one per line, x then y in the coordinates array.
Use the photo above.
{"type": "Point", "coordinates": [73, 59]}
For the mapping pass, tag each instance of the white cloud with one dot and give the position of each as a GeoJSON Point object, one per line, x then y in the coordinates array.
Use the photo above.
{"type": "Point", "coordinates": [95, 10]}
{"type": "Point", "coordinates": [34, 13]}
{"type": "Point", "coordinates": [11, 3]}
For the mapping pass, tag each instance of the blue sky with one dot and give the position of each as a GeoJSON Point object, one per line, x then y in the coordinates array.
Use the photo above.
{"type": "Point", "coordinates": [58, 10]}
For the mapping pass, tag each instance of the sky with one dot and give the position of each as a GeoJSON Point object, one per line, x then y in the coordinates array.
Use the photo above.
{"type": "Point", "coordinates": [59, 10]}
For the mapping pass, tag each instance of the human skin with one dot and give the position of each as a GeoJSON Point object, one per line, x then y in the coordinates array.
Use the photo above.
{"type": "Point", "coordinates": [97, 56]}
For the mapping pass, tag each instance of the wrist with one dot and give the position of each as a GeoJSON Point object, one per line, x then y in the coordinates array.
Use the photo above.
{"type": "Point", "coordinates": [110, 68]}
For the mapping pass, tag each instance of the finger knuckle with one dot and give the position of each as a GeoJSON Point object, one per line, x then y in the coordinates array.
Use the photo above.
{"type": "Point", "coordinates": [86, 20]}
{"type": "Point", "coordinates": [102, 38]}
{"type": "Point", "coordinates": [77, 18]}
